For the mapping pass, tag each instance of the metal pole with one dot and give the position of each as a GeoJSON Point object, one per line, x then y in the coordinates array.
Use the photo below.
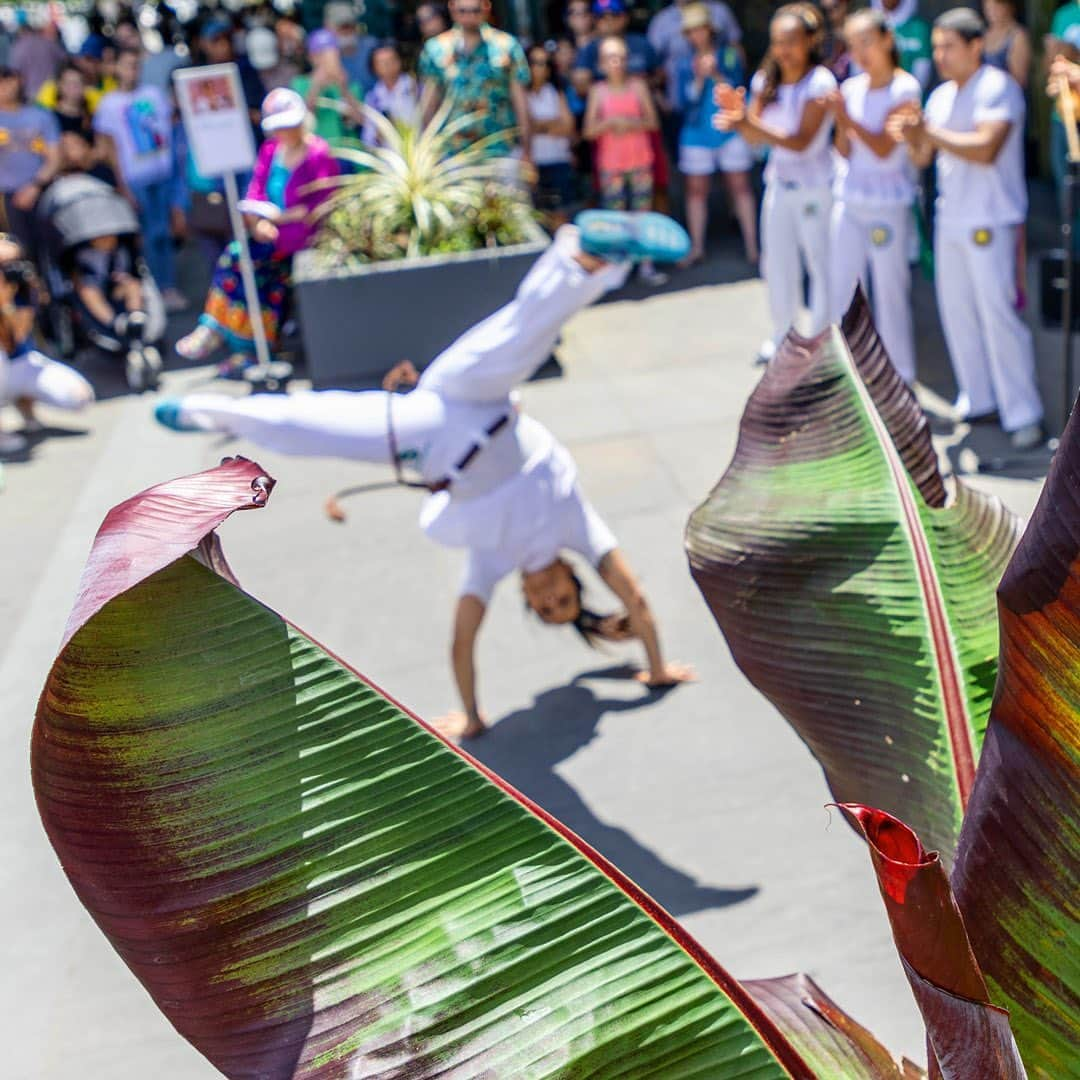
{"type": "Point", "coordinates": [247, 272]}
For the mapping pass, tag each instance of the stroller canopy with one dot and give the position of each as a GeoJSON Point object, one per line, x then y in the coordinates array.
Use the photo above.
{"type": "Point", "coordinates": [80, 208]}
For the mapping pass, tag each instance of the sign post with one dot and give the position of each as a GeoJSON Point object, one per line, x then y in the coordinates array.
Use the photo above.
{"type": "Point", "coordinates": [218, 130]}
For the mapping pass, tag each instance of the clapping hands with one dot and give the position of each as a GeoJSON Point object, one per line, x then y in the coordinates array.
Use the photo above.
{"type": "Point", "coordinates": [730, 102]}
{"type": "Point", "coordinates": [906, 123]}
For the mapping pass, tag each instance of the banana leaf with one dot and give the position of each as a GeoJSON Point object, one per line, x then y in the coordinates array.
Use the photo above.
{"type": "Point", "coordinates": [311, 883]}
{"type": "Point", "coordinates": [849, 593]}
{"type": "Point", "coordinates": [967, 1035]}
{"type": "Point", "coordinates": [1016, 878]}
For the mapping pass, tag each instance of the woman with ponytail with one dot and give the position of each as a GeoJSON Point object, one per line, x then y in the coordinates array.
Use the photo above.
{"type": "Point", "coordinates": [872, 220]}
{"type": "Point", "coordinates": [787, 113]}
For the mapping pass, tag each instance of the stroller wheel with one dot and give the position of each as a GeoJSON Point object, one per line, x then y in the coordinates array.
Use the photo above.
{"type": "Point", "coordinates": [152, 361]}
{"type": "Point", "coordinates": [135, 371]}
{"type": "Point", "coordinates": [274, 377]}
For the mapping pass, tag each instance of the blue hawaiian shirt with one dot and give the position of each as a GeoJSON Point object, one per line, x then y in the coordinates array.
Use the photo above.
{"type": "Point", "coordinates": [478, 82]}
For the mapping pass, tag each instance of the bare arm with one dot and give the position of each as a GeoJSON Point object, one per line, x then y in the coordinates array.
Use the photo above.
{"type": "Point", "coordinates": [620, 579]}
{"type": "Point", "coordinates": [519, 99]}
{"type": "Point", "coordinates": [735, 115]}
{"type": "Point", "coordinates": [95, 302]}
{"type": "Point", "coordinates": [594, 127]}
{"type": "Point", "coordinates": [650, 121]}
{"type": "Point", "coordinates": [981, 145]}
{"type": "Point", "coordinates": [1020, 58]}
{"type": "Point", "coordinates": [430, 98]}
{"type": "Point", "coordinates": [467, 620]}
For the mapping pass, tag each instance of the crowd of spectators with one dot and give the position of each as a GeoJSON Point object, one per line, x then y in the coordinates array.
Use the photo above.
{"type": "Point", "coordinates": [598, 113]}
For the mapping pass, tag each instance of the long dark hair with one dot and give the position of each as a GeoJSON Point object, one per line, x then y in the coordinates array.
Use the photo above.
{"type": "Point", "coordinates": [813, 24]}
{"type": "Point", "coordinates": [591, 625]}
{"type": "Point", "coordinates": [876, 21]}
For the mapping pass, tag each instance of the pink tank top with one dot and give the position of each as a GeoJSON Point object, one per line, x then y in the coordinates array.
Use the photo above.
{"type": "Point", "coordinates": [622, 151]}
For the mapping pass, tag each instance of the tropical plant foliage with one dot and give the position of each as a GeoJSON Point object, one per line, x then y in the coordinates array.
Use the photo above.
{"type": "Point", "coordinates": [416, 195]}
{"type": "Point", "coordinates": [1016, 878]}
{"type": "Point", "coordinates": [850, 594]}
{"type": "Point", "coordinates": [311, 883]}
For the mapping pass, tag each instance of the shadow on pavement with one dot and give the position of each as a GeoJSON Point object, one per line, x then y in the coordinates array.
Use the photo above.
{"type": "Point", "coordinates": [525, 747]}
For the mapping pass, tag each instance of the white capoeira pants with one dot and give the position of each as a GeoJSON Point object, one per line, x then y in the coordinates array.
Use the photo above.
{"type": "Point", "coordinates": [464, 390]}
{"type": "Point", "coordinates": [870, 244]}
{"type": "Point", "coordinates": [33, 375]}
{"type": "Point", "coordinates": [989, 343]}
{"type": "Point", "coordinates": [794, 233]}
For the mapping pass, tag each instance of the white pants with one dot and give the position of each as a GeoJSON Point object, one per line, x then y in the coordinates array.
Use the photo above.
{"type": "Point", "coordinates": [871, 245]}
{"type": "Point", "coordinates": [794, 231]}
{"type": "Point", "coordinates": [465, 389]}
{"type": "Point", "coordinates": [989, 343]}
{"type": "Point", "coordinates": [33, 375]}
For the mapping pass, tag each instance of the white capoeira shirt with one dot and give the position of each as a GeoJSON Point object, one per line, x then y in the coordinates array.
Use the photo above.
{"type": "Point", "coordinates": [812, 167]}
{"type": "Point", "coordinates": [517, 504]}
{"type": "Point", "coordinates": [864, 179]}
{"type": "Point", "coordinates": [971, 194]}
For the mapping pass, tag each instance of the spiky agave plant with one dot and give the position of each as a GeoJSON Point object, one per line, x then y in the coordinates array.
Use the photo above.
{"type": "Point", "coordinates": [416, 194]}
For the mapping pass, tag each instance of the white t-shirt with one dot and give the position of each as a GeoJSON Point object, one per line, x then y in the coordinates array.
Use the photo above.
{"type": "Point", "coordinates": [971, 194]}
{"type": "Point", "coordinates": [140, 123]}
{"type": "Point", "coordinates": [864, 178]}
{"type": "Point", "coordinates": [547, 149]}
{"type": "Point", "coordinates": [812, 167]}
{"type": "Point", "coordinates": [524, 523]}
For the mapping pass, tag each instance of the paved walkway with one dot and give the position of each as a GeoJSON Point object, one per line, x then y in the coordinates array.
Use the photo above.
{"type": "Point", "coordinates": [704, 795]}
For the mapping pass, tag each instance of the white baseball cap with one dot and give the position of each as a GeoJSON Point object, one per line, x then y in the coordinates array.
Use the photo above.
{"type": "Point", "coordinates": [283, 108]}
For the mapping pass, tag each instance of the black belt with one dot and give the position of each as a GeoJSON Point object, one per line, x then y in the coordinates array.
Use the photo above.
{"type": "Point", "coordinates": [460, 466]}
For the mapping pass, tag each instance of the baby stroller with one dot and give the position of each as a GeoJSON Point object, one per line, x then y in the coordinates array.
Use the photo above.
{"type": "Point", "coordinates": [74, 212]}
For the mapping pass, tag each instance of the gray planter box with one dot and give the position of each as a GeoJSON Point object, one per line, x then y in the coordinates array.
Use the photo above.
{"type": "Point", "coordinates": [358, 323]}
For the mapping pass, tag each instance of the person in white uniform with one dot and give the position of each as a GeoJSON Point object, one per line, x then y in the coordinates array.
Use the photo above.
{"type": "Point", "coordinates": [872, 222]}
{"type": "Point", "coordinates": [787, 112]}
{"type": "Point", "coordinates": [501, 485]}
{"type": "Point", "coordinates": [974, 124]}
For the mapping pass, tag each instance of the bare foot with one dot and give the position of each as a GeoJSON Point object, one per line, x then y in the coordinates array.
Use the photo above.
{"type": "Point", "coordinates": [590, 263]}
{"type": "Point", "coordinates": [457, 725]}
{"type": "Point", "coordinates": [692, 259]}
{"type": "Point", "coordinates": [672, 675]}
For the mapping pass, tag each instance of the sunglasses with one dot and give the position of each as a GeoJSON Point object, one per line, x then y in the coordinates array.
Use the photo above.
{"type": "Point", "coordinates": [540, 61]}
{"type": "Point", "coordinates": [459, 10]}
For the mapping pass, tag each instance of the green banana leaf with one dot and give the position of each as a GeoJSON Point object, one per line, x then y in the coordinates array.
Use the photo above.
{"type": "Point", "coordinates": [1017, 878]}
{"type": "Point", "coordinates": [311, 883]}
{"type": "Point", "coordinates": [849, 594]}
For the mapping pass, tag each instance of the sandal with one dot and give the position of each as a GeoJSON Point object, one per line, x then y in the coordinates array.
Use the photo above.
{"type": "Point", "coordinates": [199, 344]}
{"type": "Point", "coordinates": [235, 366]}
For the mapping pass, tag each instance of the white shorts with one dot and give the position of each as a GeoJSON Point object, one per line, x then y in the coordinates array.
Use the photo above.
{"type": "Point", "coordinates": [731, 156]}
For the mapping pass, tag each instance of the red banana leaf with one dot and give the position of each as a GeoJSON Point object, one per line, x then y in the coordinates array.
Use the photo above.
{"type": "Point", "coordinates": [967, 1035]}
{"type": "Point", "coordinates": [310, 883]}
{"type": "Point", "coordinates": [1017, 878]}
{"type": "Point", "coordinates": [849, 595]}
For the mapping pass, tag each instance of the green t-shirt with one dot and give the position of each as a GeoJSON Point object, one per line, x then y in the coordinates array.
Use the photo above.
{"type": "Point", "coordinates": [330, 123]}
{"type": "Point", "coordinates": [913, 44]}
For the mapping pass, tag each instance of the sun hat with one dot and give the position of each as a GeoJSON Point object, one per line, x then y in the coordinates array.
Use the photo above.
{"type": "Point", "coordinates": [695, 16]}
{"type": "Point", "coordinates": [262, 48]}
{"type": "Point", "coordinates": [283, 108]}
{"type": "Point", "coordinates": [320, 40]}
{"type": "Point", "coordinates": [608, 7]}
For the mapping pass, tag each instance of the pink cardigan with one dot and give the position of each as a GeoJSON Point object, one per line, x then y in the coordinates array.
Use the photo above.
{"type": "Point", "coordinates": [318, 163]}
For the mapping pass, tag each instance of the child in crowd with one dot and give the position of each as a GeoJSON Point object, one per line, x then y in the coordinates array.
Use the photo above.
{"type": "Point", "coordinates": [110, 296]}
{"type": "Point", "coordinates": [394, 94]}
{"type": "Point", "coordinates": [787, 112]}
{"type": "Point", "coordinates": [553, 128]}
{"type": "Point", "coordinates": [703, 150]}
{"type": "Point", "coordinates": [619, 116]}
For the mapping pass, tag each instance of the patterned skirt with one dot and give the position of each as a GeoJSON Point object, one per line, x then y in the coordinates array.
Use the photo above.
{"type": "Point", "coordinates": [226, 309]}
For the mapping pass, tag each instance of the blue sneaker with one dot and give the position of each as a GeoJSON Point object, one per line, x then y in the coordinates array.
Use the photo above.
{"type": "Point", "coordinates": [170, 414]}
{"type": "Point", "coordinates": [622, 236]}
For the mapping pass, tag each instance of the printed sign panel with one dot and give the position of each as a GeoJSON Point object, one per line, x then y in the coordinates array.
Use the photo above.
{"type": "Point", "coordinates": [215, 119]}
